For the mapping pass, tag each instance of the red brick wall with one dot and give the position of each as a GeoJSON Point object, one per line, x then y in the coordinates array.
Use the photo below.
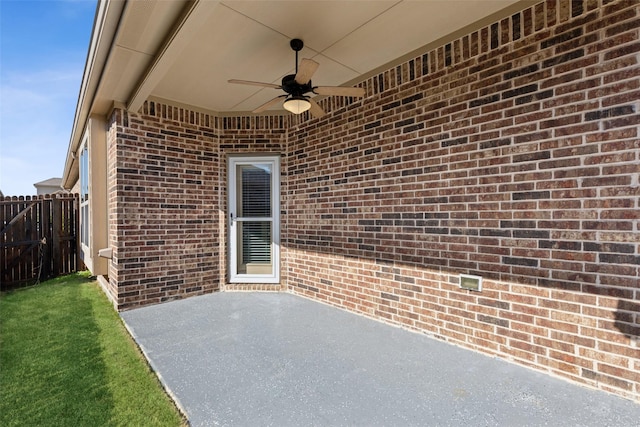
{"type": "Point", "coordinates": [511, 153]}
{"type": "Point", "coordinates": [163, 203]}
{"type": "Point", "coordinates": [249, 135]}
{"type": "Point", "coordinates": [112, 199]}
{"type": "Point", "coordinates": [167, 199]}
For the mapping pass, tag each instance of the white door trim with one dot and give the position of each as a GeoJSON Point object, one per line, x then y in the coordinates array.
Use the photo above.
{"type": "Point", "coordinates": [273, 163]}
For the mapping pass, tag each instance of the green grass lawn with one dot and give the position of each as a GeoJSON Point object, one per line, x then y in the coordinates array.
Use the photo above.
{"type": "Point", "coordinates": [66, 359]}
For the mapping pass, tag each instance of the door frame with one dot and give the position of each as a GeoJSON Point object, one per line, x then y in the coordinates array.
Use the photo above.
{"type": "Point", "coordinates": [233, 160]}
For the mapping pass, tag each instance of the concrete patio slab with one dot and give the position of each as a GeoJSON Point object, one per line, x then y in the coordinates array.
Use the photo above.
{"type": "Point", "coordinates": [260, 359]}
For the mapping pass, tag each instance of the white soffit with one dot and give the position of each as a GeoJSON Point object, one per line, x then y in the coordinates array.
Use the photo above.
{"type": "Point", "coordinates": [249, 40]}
{"type": "Point", "coordinates": [136, 43]}
{"type": "Point", "coordinates": [144, 21]}
{"type": "Point", "coordinates": [322, 23]}
{"type": "Point", "coordinates": [405, 28]}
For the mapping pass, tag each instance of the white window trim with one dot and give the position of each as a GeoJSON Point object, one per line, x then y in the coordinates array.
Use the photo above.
{"type": "Point", "coordinates": [85, 229]}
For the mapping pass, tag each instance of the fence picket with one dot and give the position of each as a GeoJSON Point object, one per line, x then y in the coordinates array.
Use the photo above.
{"type": "Point", "coordinates": [38, 238]}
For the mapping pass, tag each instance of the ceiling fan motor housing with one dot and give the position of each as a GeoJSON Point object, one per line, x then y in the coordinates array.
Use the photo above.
{"type": "Point", "coordinates": [290, 86]}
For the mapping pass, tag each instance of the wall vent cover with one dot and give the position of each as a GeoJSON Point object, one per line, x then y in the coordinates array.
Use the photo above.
{"type": "Point", "coordinates": [470, 282]}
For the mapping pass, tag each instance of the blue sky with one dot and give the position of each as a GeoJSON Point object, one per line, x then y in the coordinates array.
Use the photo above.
{"type": "Point", "coordinates": [43, 48]}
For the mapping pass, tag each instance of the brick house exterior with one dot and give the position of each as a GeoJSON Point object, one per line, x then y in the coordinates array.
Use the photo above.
{"type": "Point", "coordinates": [511, 153]}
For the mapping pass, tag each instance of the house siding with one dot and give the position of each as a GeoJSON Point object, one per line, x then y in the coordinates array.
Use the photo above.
{"type": "Point", "coordinates": [511, 153]}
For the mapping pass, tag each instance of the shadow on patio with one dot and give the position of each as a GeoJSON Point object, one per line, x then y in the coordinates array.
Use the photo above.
{"type": "Point", "coordinates": [279, 359]}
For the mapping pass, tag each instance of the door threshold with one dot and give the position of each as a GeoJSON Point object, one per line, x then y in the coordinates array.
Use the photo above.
{"type": "Point", "coordinates": [252, 287]}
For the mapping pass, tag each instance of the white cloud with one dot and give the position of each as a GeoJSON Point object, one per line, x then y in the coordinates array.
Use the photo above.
{"type": "Point", "coordinates": [31, 157]}
{"type": "Point", "coordinates": [43, 47]}
{"type": "Point", "coordinates": [35, 89]}
{"type": "Point", "coordinates": [37, 114]}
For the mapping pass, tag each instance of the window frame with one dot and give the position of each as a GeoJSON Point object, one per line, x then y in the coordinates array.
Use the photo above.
{"type": "Point", "coordinates": [84, 176]}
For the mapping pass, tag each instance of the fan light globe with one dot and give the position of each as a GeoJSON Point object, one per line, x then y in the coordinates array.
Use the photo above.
{"type": "Point", "coordinates": [297, 104]}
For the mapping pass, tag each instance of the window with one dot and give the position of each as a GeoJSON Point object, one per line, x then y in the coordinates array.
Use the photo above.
{"type": "Point", "coordinates": [84, 194]}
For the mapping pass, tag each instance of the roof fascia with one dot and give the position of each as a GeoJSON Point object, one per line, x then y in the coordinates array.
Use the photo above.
{"type": "Point", "coordinates": [107, 19]}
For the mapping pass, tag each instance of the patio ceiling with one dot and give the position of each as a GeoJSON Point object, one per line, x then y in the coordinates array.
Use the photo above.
{"type": "Point", "coordinates": [185, 52]}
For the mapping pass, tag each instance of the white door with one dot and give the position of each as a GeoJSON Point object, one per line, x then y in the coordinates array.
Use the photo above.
{"type": "Point", "coordinates": [254, 219]}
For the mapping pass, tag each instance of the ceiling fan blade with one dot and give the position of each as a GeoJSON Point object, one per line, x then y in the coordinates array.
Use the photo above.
{"type": "Point", "coordinates": [305, 71]}
{"type": "Point", "coordinates": [269, 104]}
{"type": "Point", "coordinates": [339, 91]}
{"type": "Point", "coordinates": [247, 82]}
{"type": "Point", "coordinates": [316, 110]}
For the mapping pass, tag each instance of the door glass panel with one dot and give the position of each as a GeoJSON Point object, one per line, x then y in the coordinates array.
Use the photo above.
{"type": "Point", "coordinates": [254, 191]}
{"type": "Point", "coordinates": [254, 253]}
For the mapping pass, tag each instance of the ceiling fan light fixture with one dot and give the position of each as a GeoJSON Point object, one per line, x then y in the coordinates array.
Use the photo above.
{"type": "Point", "coordinates": [297, 104]}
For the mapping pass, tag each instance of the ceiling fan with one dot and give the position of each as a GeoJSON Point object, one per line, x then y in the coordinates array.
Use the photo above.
{"type": "Point", "coordinates": [297, 86]}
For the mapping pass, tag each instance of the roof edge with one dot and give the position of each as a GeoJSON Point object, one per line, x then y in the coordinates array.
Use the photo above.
{"type": "Point", "coordinates": [105, 25]}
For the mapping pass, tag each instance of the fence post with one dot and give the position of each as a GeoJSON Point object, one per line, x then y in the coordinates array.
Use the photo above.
{"type": "Point", "coordinates": [47, 236]}
{"type": "Point", "coordinates": [76, 232]}
{"type": "Point", "coordinates": [57, 229]}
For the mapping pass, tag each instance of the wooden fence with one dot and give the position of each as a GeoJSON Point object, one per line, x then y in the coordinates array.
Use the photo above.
{"type": "Point", "coordinates": [38, 238]}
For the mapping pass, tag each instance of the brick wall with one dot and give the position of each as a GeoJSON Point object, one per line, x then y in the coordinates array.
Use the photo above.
{"type": "Point", "coordinates": [167, 202]}
{"type": "Point", "coordinates": [163, 203]}
{"type": "Point", "coordinates": [249, 135]}
{"type": "Point", "coordinates": [511, 153]}
{"type": "Point", "coordinates": [110, 284]}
